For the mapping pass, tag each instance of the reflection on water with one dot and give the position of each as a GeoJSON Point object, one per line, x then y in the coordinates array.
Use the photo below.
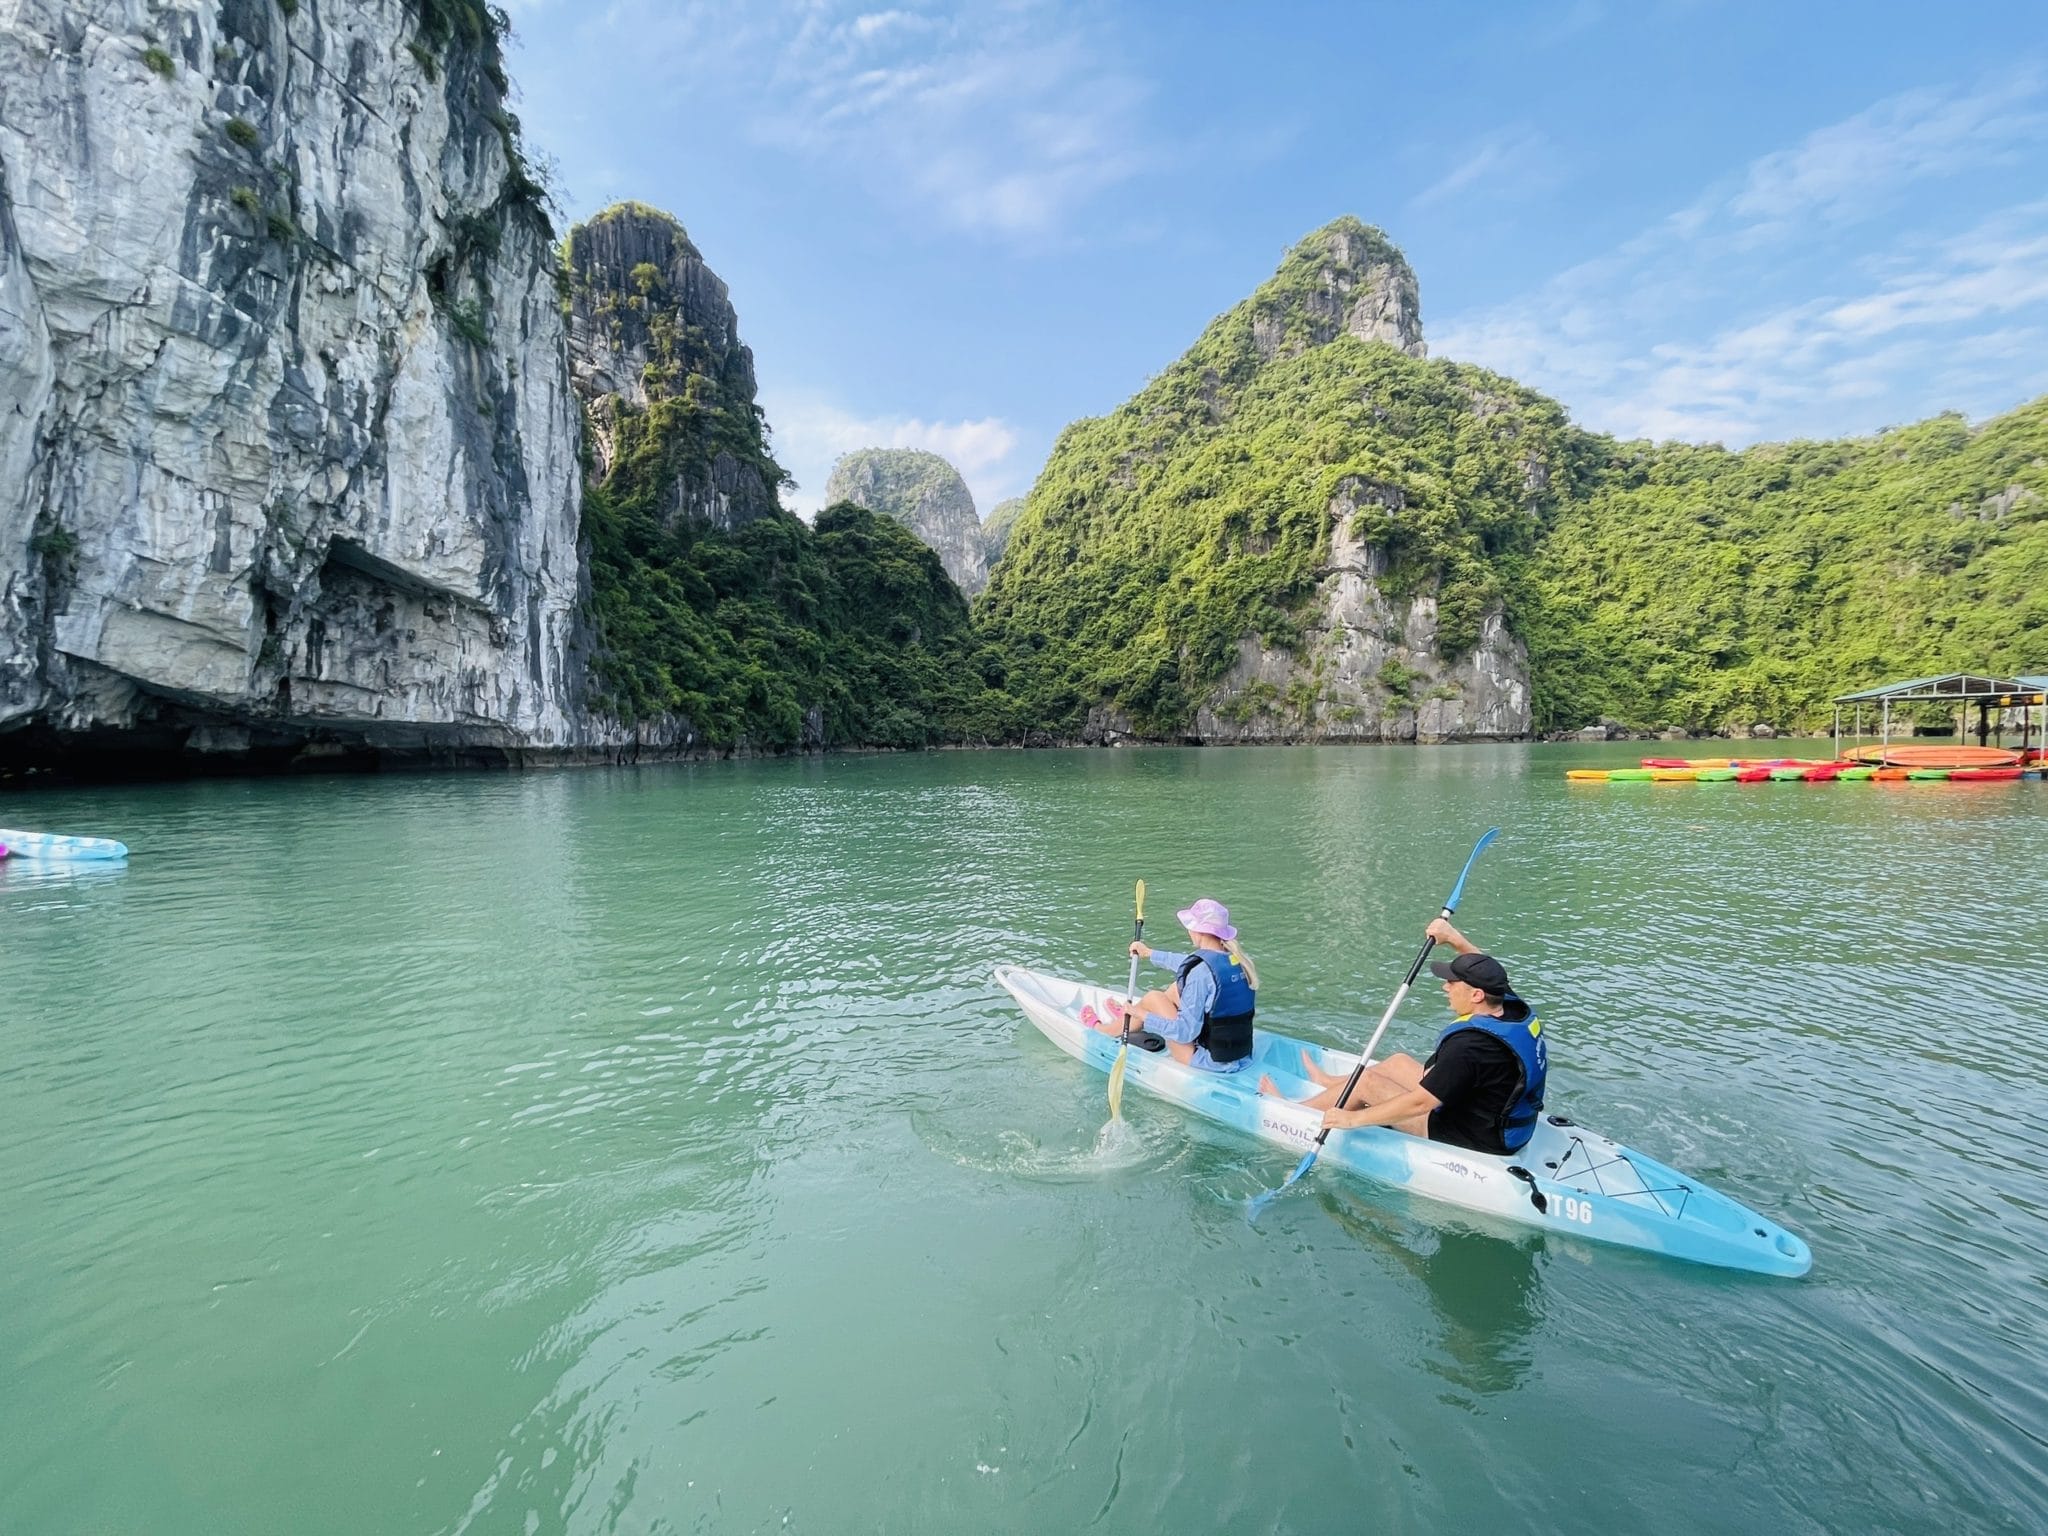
{"type": "Point", "coordinates": [1482, 1285]}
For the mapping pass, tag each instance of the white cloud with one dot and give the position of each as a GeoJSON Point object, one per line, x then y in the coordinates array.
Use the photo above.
{"type": "Point", "coordinates": [1841, 170]}
{"type": "Point", "coordinates": [1513, 161]}
{"type": "Point", "coordinates": [1795, 299]}
{"type": "Point", "coordinates": [1002, 120]}
{"type": "Point", "coordinates": [997, 118]}
{"type": "Point", "coordinates": [811, 431]}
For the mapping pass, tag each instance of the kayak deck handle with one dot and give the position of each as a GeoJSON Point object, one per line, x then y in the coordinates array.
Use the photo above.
{"type": "Point", "coordinates": [1536, 1197]}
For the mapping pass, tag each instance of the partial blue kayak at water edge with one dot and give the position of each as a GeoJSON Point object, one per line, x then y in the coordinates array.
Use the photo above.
{"type": "Point", "coordinates": [59, 845]}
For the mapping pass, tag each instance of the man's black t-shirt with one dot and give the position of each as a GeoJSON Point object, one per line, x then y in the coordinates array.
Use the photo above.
{"type": "Point", "coordinates": [1476, 1077]}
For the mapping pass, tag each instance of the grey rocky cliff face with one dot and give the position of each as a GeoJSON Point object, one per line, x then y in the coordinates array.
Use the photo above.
{"type": "Point", "coordinates": [647, 318]}
{"type": "Point", "coordinates": [1370, 668]}
{"type": "Point", "coordinates": [925, 494]}
{"type": "Point", "coordinates": [1364, 288]}
{"type": "Point", "coordinates": [289, 452]}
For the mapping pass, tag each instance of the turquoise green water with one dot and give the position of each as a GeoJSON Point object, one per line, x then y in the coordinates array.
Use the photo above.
{"type": "Point", "coordinates": [649, 1151]}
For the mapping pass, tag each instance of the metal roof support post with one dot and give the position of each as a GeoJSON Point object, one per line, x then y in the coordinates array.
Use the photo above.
{"type": "Point", "coordinates": [1838, 733]}
{"type": "Point", "coordinates": [1884, 742]}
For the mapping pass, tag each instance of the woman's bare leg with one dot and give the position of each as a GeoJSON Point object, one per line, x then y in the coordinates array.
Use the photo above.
{"type": "Point", "coordinates": [1164, 1003]}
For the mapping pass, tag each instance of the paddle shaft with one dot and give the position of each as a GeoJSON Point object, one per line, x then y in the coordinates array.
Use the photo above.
{"type": "Point", "coordinates": [1137, 937]}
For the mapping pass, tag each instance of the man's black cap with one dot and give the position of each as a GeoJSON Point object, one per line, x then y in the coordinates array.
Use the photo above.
{"type": "Point", "coordinates": [1475, 970]}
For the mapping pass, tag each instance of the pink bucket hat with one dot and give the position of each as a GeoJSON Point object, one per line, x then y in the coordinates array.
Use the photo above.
{"type": "Point", "coordinates": [1207, 916]}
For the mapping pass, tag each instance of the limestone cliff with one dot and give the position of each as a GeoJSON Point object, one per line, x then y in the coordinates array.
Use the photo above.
{"type": "Point", "coordinates": [995, 528]}
{"type": "Point", "coordinates": [1293, 532]}
{"type": "Point", "coordinates": [925, 494]}
{"type": "Point", "coordinates": [289, 458]}
{"type": "Point", "coordinates": [650, 324]}
{"type": "Point", "coordinates": [1370, 667]}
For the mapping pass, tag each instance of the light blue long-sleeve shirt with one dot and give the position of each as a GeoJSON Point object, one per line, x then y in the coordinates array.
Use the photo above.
{"type": "Point", "coordinates": [1196, 994]}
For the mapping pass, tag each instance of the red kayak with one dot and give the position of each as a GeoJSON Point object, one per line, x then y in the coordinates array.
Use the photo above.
{"type": "Point", "coordinates": [1981, 775]}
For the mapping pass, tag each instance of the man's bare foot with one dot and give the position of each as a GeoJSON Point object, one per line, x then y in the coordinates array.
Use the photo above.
{"type": "Point", "coordinates": [1270, 1089]}
{"type": "Point", "coordinates": [1316, 1074]}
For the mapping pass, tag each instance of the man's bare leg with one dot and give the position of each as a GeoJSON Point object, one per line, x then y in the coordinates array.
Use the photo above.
{"type": "Point", "coordinates": [1397, 1074]}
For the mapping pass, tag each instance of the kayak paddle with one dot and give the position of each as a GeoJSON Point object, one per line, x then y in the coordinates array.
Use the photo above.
{"type": "Point", "coordinates": [1261, 1201]}
{"type": "Point", "coordinates": [1116, 1072]}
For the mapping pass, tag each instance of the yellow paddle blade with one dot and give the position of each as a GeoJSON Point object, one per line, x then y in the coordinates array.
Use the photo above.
{"type": "Point", "coordinates": [1116, 1084]}
{"type": "Point", "coordinates": [1141, 901]}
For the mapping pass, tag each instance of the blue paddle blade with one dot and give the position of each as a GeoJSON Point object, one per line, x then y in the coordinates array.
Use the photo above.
{"type": "Point", "coordinates": [1258, 1203]}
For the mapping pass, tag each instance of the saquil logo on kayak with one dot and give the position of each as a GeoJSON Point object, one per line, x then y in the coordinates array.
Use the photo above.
{"type": "Point", "coordinates": [1288, 1128]}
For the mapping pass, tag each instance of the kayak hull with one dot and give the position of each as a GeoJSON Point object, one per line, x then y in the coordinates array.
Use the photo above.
{"type": "Point", "coordinates": [1950, 755]}
{"type": "Point", "coordinates": [1567, 1179]}
{"type": "Point", "coordinates": [57, 845]}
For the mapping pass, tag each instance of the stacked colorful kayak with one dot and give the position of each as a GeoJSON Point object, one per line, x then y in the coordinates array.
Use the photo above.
{"type": "Point", "coordinates": [58, 845]}
{"type": "Point", "coordinates": [1931, 764]}
{"type": "Point", "coordinates": [1567, 1179]}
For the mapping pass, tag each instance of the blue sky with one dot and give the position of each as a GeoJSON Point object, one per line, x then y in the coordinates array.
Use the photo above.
{"type": "Point", "coordinates": [962, 226]}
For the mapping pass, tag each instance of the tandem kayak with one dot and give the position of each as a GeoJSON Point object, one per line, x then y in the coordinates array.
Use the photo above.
{"type": "Point", "coordinates": [58, 845]}
{"type": "Point", "coordinates": [1567, 1179]}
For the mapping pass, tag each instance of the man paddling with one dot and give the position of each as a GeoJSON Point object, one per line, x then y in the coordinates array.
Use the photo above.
{"type": "Point", "coordinates": [1482, 1087]}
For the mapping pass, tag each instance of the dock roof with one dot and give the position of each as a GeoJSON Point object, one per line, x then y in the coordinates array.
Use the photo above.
{"type": "Point", "coordinates": [1951, 687]}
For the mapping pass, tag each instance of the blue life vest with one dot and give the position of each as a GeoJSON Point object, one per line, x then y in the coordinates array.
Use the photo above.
{"type": "Point", "coordinates": [1227, 1026]}
{"type": "Point", "coordinates": [1523, 1036]}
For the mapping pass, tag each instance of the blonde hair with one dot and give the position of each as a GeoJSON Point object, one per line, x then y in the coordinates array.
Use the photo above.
{"type": "Point", "coordinates": [1251, 971]}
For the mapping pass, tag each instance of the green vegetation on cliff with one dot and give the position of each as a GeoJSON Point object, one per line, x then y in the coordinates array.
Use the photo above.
{"type": "Point", "coordinates": [1655, 584]}
{"type": "Point", "coordinates": [767, 633]}
{"type": "Point", "coordinates": [998, 525]}
{"type": "Point", "coordinates": [1200, 511]}
{"type": "Point", "coordinates": [1700, 588]}
{"type": "Point", "coordinates": [745, 633]}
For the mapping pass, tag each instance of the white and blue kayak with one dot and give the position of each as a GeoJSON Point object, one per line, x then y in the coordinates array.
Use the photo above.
{"type": "Point", "coordinates": [58, 845]}
{"type": "Point", "coordinates": [1567, 1179]}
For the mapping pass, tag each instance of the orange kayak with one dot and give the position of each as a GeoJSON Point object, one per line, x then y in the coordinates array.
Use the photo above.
{"type": "Point", "coordinates": [1936, 757]}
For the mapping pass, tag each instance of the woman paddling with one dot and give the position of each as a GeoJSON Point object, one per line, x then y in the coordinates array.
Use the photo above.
{"type": "Point", "coordinates": [1206, 1015]}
